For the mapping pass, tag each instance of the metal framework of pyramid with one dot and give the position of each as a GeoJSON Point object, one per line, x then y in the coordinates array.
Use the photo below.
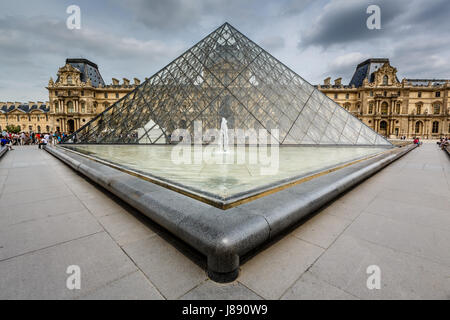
{"type": "Point", "coordinates": [226, 75]}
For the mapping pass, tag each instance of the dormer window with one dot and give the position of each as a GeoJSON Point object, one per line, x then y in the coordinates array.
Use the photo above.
{"type": "Point", "coordinates": [385, 80]}
{"type": "Point", "coordinates": [69, 80]}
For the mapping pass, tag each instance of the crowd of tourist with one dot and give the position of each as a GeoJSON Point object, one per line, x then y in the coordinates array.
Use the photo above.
{"type": "Point", "coordinates": [10, 139]}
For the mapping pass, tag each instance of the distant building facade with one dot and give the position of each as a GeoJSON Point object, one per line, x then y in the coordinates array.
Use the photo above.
{"type": "Point", "coordinates": [393, 108]}
{"type": "Point", "coordinates": [31, 116]}
{"type": "Point", "coordinates": [78, 95]}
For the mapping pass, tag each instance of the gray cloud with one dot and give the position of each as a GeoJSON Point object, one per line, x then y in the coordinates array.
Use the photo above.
{"type": "Point", "coordinates": [272, 43]}
{"type": "Point", "coordinates": [129, 38]}
{"type": "Point", "coordinates": [344, 21]}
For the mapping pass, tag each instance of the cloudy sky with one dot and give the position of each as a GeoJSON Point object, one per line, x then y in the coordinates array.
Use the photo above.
{"type": "Point", "coordinates": [136, 38]}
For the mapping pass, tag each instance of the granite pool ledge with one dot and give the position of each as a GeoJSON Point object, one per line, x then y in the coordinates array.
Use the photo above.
{"type": "Point", "coordinates": [224, 236]}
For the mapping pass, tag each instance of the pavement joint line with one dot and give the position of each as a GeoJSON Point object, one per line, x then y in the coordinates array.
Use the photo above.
{"type": "Point", "coordinates": [440, 263]}
{"type": "Point", "coordinates": [192, 289]}
{"type": "Point", "coordinates": [328, 283]}
{"type": "Point", "coordinates": [37, 219]}
{"type": "Point", "coordinates": [405, 222]}
{"type": "Point", "coordinates": [314, 262]}
{"type": "Point", "coordinates": [28, 202]}
{"type": "Point", "coordinates": [49, 247]}
{"type": "Point", "coordinates": [115, 242]}
{"type": "Point", "coordinates": [81, 295]}
{"type": "Point", "coordinates": [250, 289]}
{"type": "Point", "coordinates": [309, 242]}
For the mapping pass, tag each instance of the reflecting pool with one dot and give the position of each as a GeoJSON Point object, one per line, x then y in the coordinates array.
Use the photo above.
{"type": "Point", "coordinates": [239, 173]}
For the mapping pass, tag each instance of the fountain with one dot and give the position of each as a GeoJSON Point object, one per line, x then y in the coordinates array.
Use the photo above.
{"type": "Point", "coordinates": [223, 139]}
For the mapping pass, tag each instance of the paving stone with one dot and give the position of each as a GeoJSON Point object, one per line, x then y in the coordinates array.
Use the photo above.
{"type": "Point", "coordinates": [322, 229]}
{"type": "Point", "coordinates": [412, 213]}
{"type": "Point", "coordinates": [101, 207]}
{"type": "Point", "coordinates": [210, 290]}
{"type": "Point", "coordinates": [273, 271]}
{"type": "Point", "coordinates": [39, 210]}
{"type": "Point", "coordinates": [308, 287]}
{"type": "Point", "coordinates": [42, 274]}
{"type": "Point", "coordinates": [131, 287]}
{"type": "Point", "coordinates": [8, 200]}
{"type": "Point", "coordinates": [38, 234]}
{"type": "Point", "coordinates": [125, 228]}
{"type": "Point", "coordinates": [403, 276]}
{"type": "Point", "coordinates": [170, 271]}
{"type": "Point", "coordinates": [421, 241]}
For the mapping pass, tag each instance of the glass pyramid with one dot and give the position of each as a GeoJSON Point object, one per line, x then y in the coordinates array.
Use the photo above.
{"type": "Point", "coordinates": [226, 75]}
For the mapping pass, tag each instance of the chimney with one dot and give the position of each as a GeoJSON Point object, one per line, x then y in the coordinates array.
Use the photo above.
{"type": "Point", "coordinates": [115, 82]}
{"type": "Point", "coordinates": [327, 81]}
{"type": "Point", "coordinates": [137, 81]}
{"type": "Point", "coordinates": [338, 81]}
{"type": "Point", "coordinates": [126, 81]}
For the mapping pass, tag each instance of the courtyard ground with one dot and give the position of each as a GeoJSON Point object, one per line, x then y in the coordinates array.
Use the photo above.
{"type": "Point", "coordinates": [51, 218]}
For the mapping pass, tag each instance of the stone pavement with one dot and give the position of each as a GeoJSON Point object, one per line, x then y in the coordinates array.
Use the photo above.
{"type": "Point", "coordinates": [52, 218]}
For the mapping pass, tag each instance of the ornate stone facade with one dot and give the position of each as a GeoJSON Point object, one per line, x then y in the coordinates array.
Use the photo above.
{"type": "Point", "coordinates": [33, 116]}
{"type": "Point", "coordinates": [412, 107]}
{"type": "Point", "coordinates": [79, 94]}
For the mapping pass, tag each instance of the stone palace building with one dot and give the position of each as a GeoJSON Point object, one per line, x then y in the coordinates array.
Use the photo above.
{"type": "Point", "coordinates": [78, 94]}
{"type": "Point", "coordinates": [410, 107]}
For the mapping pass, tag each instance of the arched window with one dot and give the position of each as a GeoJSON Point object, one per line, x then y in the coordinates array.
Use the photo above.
{"type": "Point", "coordinates": [437, 108]}
{"type": "Point", "coordinates": [69, 79]}
{"type": "Point", "coordinates": [56, 108]}
{"type": "Point", "coordinates": [39, 129]}
{"type": "Point", "coordinates": [384, 108]}
{"type": "Point", "coordinates": [397, 108]}
{"type": "Point", "coordinates": [47, 129]}
{"type": "Point", "coordinates": [383, 125]}
{"type": "Point", "coordinates": [435, 127]}
{"type": "Point", "coordinates": [385, 80]}
{"type": "Point", "coordinates": [70, 107]}
{"type": "Point", "coordinates": [418, 127]}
